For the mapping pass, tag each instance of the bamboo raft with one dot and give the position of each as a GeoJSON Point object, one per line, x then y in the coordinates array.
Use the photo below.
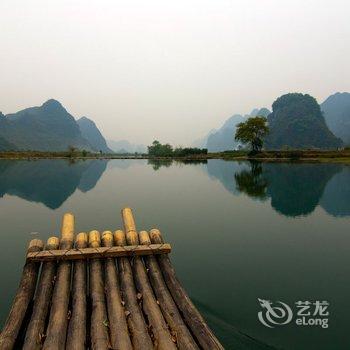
{"type": "Point", "coordinates": [110, 291]}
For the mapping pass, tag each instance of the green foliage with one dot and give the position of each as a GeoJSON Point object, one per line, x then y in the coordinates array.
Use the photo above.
{"type": "Point", "coordinates": [159, 150]}
{"type": "Point", "coordinates": [297, 123]}
{"type": "Point", "coordinates": [72, 151]}
{"type": "Point", "coordinates": [221, 140]}
{"type": "Point", "coordinates": [188, 151]}
{"type": "Point", "coordinates": [252, 132]}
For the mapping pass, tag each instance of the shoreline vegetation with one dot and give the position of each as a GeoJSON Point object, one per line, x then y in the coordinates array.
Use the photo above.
{"type": "Point", "coordinates": [268, 156]}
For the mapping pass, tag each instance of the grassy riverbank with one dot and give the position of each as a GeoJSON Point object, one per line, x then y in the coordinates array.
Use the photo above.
{"type": "Point", "coordinates": [290, 155]}
{"type": "Point", "coordinates": [65, 155]}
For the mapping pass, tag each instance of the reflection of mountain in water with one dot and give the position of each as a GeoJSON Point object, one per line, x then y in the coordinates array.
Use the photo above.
{"type": "Point", "coordinates": [49, 182]}
{"type": "Point", "coordinates": [336, 196]}
{"type": "Point", "coordinates": [295, 189]}
{"type": "Point", "coordinates": [92, 174]}
{"type": "Point", "coordinates": [225, 172]}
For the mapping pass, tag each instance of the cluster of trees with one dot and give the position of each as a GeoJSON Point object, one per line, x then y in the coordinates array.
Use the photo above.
{"type": "Point", "coordinates": [166, 150]}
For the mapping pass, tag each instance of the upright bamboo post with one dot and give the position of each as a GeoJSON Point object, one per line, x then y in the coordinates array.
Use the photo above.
{"type": "Point", "coordinates": [193, 318]}
{"type": "Point", "coordinates": [22, 299]}
{"type": "Point", "coordinates": [99, 320]}
{"type": "Point", "coordinates": [36, 328]}
{"type": "Point", "coordinates": [179, 330]}
{"type": "Point", "coordinates": [163, 340]}
{"type": "Point", "coordinates": [118, 327]}
{"type": "Point", "coordinates": [76, 339]}
{"type": "Point", "coordinates": [57, 326]}
{"type": "Point", "coordinates": [137, 326]}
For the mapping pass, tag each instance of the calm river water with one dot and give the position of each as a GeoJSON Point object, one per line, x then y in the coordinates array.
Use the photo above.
{"type": "Point", "coordinates": [240, 232]}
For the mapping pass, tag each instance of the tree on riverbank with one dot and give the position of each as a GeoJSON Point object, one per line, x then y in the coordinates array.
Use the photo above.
{"type": "Point", "coordinates": [159, 150]}
{"type": "Point", "coordinates": [252, 132]}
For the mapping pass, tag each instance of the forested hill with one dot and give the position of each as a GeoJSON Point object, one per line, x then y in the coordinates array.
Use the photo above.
{"type": "Point", "coordinates": [297, 122]}
{"type": "Point", "coordinates": [48, 127]}
{"type": "Point", "coordinates": [336, 110]}
{"type": "Point", "coordinates": [91, 133]}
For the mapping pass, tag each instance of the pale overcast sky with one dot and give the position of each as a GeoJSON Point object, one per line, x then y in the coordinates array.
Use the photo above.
{"type": "Point", "coordinates": [170, 70]}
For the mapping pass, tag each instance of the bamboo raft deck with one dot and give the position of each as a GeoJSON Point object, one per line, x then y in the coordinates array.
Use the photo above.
{"type": "Point", "coordinates": [103, 291]}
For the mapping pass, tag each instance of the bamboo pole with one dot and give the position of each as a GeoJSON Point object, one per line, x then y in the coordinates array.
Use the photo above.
{"type": "Point", "coordinates": [118, 327]}
{"type": "Point", "coordinates": [193, 318]}
{"type": "Point", "coordinates": [162, 337]}
{"type": "Point", "coordinates": [99, 320]}
{"type": "Point", "coordinates": [76, 339]}
{"type": "Point", "coordinates": [179, 330]}
{"type": "Point", "coordinates": [137, 326]}
{"type": "Point", "coordinates": [36, 328]}
{"type": "Point", "coordinates": [57, 326]}
{"type": "Point", "coordinates": [22, 299]}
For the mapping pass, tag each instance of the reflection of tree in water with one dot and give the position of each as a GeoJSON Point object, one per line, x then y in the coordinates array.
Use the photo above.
{"type": "Point", "coordinates": [252, 182]}
{"type": "Point", "coordinates": [295, 189]}
{"type": "Point", "coordinates": [158, 163]}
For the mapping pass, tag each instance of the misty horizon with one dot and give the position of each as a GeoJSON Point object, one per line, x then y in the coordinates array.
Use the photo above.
{"type": "Point", "coordinates": [170, 71]}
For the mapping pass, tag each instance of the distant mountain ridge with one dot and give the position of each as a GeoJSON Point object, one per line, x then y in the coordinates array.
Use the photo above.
{"type": "Point", "coordinates": [45, 128]}
{"type": "Point", "coordinates": [336, 111]}
{"type": "Point", "coordinates": [223, 138]}
{"type": "Point", "coordinates": [91, 133]}
{"type": "Point", "coordinates": [124, 146]}
{"type": "Point", "coordinates": [202, 142]}
{"type": "Point", "coordinates": [48, 127]}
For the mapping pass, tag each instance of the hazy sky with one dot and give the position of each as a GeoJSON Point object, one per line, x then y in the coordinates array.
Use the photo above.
{"type": "Point", "coordinates": [170, 70]}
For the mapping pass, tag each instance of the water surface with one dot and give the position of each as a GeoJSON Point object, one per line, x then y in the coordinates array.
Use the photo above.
{"type": "Point", "coordinates": [239, 232]}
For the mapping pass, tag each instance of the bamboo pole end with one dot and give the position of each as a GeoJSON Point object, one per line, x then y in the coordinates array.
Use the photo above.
{"type": "Point", "coordinates": [67, 231]}
{"type": "Point", "coordinates": [132, 238]}
{"type": "Point", "coordinates": [119, 238]}
{"type": "Point", "coordinates": [144, 238]}
{"type": "Point", "coordinates": [52, 243]}
{"type": "Point", "coordinates": [156, 236]}
{"type": "Point", "coordinates": [81, 240]}
{"type": "Point", "coordinates": [107, 238]}
{"type": "Point", "coordinates": [128, 220]}
{"type": "Point", "coordinates": [94, 239]}
{"type": "Point", "coordinates": [35, 245]}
